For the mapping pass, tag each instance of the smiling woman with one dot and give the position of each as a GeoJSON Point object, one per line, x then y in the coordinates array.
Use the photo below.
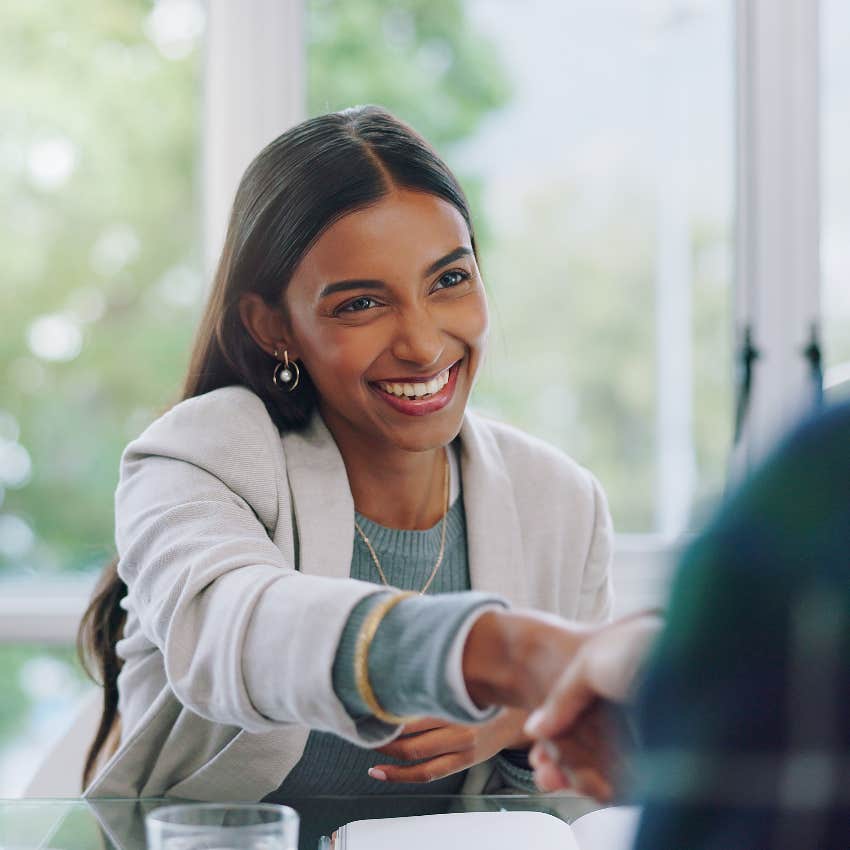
{"type": "Point", "coordinates": [324, 458]}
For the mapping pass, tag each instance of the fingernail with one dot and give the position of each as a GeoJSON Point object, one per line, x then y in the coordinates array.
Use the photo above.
{"type": "Point", "coordinates": [568, 777]}
{"type": "Point", "coordinates": [377, 773]}
{"type": "Point", "coordinates": [550, 749]}
{"type": "Point", "coordinates": [533, 723]}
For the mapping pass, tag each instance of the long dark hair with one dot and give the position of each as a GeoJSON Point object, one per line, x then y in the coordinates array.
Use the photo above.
{"type": "Point", "coordinates": [297, 186]}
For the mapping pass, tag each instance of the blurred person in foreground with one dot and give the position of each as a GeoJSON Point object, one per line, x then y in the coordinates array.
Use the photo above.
{"type": "Point", "coordinates": [743, 703]}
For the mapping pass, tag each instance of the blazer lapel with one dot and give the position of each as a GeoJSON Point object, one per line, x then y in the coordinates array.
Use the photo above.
{"type": "Point", "coordinates": [494, 542]}
{"type": "Point", "coordinates": [324, 509]}
{"type": "Point", "coordinates": [322, 502]}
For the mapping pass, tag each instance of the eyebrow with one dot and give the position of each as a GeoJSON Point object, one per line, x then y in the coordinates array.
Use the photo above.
{"type": "Point", "coordinates": [463, 251]}
{"type": "Point", "coordinates": [345, 285]}
{"type": "Point", "coordinates": [368, 283]}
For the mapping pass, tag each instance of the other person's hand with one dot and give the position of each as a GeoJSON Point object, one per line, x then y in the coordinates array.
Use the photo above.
{"type": "Point", "coordinates": [440, 748]}
{"type": "Point", "coordinates": [580, 730]}
{"type": "Point", "coordinates": [593, 758]}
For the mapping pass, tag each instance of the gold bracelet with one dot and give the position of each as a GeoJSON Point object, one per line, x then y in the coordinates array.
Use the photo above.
{"type": "Point", "coordinates": [361, 658]}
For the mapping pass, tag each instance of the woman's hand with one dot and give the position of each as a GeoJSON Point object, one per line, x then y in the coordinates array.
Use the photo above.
{"type": "Point", "coordinates": [443, 748]}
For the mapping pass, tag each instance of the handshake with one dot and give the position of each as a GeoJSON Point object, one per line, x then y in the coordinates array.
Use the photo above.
{"type": "Point", "coordinates": [573, 678]}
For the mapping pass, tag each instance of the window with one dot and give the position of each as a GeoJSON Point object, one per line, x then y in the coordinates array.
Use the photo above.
{"type": "Point", "coordinates": [596, 143]}
{"type": "Point", "coordinates": [41, 686]}
{"type": "Point", "coordinates": [102, 282]}
{"type": "Point", "coordinates": [835, 195]}
{"type": "Point", "coordinates": [100, 290]}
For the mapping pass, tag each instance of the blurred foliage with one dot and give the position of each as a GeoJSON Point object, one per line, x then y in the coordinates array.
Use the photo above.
{"type": "Point", "coordinates": [573, 352]}
{"type": "Point", "coordinates": [583, 379]}
{"type": "Point", "coordinates": [39, 686]}
{"type": "Point", "coordinates": [421, 59]}
{"type": "Point", "coordinates": [22, 682]}
{"type": "Point", "coordinates": [98, 178]}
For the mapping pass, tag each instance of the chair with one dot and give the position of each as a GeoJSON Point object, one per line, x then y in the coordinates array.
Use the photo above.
{"type": "Point", "coordinates": [59, 774]}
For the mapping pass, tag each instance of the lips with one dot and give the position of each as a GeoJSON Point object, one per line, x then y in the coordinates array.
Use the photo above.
{"type": "Point", "coordinates": [419, 397]}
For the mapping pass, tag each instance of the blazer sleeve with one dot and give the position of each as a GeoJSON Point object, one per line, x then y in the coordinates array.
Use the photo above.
{"type": "Point", "coordinates": [246, 639]}
{"type": "Point", "coordinates": [596, 599]}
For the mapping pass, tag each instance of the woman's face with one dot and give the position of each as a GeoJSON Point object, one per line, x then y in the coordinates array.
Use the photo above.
{"type": "Point", "coordinates": [387, 312]}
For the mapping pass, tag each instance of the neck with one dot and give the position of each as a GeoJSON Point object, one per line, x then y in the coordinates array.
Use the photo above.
{"type": "Point", "coordinates": [398, 489]}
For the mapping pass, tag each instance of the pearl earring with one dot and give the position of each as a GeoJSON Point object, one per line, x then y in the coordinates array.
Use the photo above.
{"type": "Point", "coordinates": [286, 375]}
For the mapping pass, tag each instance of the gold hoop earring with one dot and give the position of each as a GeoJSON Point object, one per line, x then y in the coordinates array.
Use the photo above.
{"type": "Point", "coordinates": [286, 375]}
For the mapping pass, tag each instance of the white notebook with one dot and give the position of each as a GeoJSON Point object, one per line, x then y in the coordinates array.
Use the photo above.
{"type": "Point", "coordinates": [605, 829]}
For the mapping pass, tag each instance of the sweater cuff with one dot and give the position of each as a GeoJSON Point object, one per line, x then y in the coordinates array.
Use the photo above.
{"type": "Point", "coordinates": [515, 770]}
{"type": "Point", "coordinates": [454, 669]}
{"type": "Point", "coordinates": [415, 657]}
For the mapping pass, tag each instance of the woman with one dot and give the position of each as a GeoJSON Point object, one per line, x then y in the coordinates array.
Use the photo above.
{"type": "Point", "coordinates": [322, 454]}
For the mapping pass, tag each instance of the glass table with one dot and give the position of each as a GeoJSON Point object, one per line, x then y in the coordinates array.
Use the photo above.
{"type": "Point", "coordinates": [75, 824]}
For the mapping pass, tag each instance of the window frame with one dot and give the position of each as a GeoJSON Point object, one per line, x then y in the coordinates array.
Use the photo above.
{"type": "Point", "coordinates": [777, 232]}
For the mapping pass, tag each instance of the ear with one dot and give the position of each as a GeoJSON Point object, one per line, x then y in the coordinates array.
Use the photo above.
{"type": "Point", "coordinates": [267, 325]}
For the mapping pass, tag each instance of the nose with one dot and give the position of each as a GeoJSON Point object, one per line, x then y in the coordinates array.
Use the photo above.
{"type": "Point", "coordinates": [418, 339]}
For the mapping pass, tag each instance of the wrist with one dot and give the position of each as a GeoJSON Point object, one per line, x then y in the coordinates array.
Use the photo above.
{"type": "Point", "coordinates": [512, 658]}
{"type": "Point", "coordinates": [486, 680]}
{"type": "Point", "coordinates": [517, 739]}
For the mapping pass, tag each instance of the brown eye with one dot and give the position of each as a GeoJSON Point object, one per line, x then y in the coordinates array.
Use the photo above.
{"type": "Point", "coordinates": [357, 305]}
{"type": "Point", "coordinates": [452, 278]}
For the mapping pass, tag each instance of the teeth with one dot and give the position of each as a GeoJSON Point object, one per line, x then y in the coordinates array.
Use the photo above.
{"type": "Point", "coordinates": [417, 390]}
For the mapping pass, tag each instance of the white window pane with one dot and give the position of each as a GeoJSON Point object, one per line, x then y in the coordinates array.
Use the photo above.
{"type": "Point", "coordinates": [835, 192]}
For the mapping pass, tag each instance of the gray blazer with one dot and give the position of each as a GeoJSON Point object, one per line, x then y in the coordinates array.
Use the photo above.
{"type": "Point", "coordinates": [236, 543]}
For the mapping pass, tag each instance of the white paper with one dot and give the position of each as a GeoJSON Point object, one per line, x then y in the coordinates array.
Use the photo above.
{"type": "Point", "coordinates": [462, 830]}
{"type": "Point", "coordinates": [607, 829]}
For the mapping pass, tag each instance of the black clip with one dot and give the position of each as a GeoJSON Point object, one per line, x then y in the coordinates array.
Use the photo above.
{"type": "Point", "coordinates": [744, 380]}
{"type": "Point", "coordinates": [812, 353]}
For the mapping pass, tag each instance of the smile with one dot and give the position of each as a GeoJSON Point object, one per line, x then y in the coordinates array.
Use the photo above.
{"type": "Point", "coordinates": [418, 398]}
{"type": "Point", "coordinates": [416, 389]}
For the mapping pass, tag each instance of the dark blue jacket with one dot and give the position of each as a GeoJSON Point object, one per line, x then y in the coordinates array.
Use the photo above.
{"type": "Point", "coordinates": [745, 711]}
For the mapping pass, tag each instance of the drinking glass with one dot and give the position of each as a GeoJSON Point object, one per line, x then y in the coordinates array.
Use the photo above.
{"type": "Point", "coordinates": [223, 826]}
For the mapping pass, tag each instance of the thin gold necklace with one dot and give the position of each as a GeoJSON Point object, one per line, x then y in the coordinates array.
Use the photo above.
{"type": "Point", "coordinates": [442, 534]}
